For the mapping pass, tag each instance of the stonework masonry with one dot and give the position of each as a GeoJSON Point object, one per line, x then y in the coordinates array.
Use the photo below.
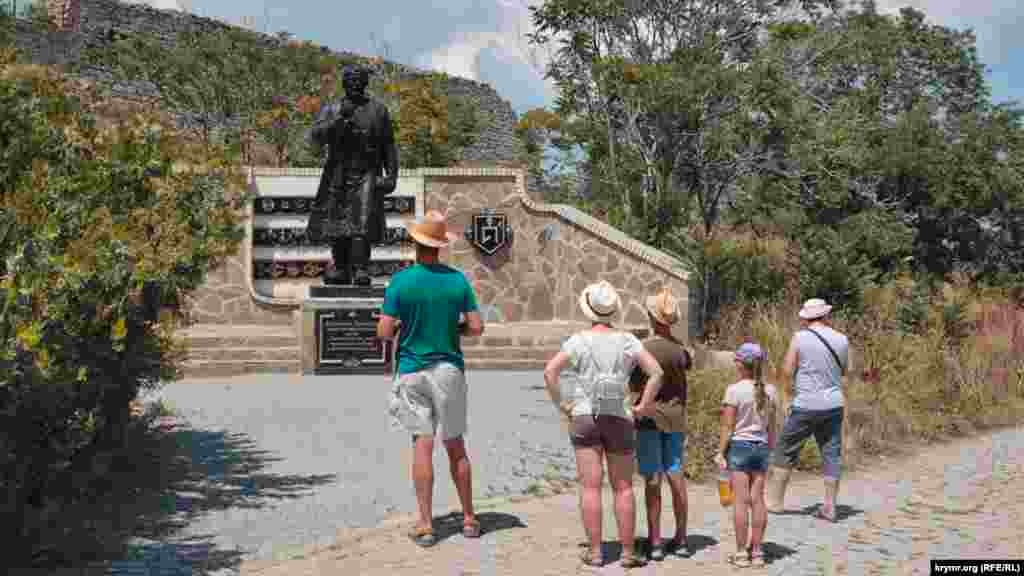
{"type": "Point", "coordinates": [94, 23]}
{"type": "Point", "coordinates": [555, 252]}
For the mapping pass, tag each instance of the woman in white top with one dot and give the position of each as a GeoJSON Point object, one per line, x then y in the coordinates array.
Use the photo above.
{"type": "Point", "coordinates": [747, 438]}
{"type": "Point", "coordinates": [601, 413]}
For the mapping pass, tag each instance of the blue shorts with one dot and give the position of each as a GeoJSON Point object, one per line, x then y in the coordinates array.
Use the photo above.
{"type": "Point", "coordinates": [658, 451]}
{"type": "Point", "coordinates": [744, 456]}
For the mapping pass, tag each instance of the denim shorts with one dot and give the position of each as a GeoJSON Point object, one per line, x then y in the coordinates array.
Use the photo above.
{"type": "Point", "coordinates": [660, 452]}
{"type": "Point", "coordinates": [745, 456]}
{"type": "Point", "coordinates": [827, 428]}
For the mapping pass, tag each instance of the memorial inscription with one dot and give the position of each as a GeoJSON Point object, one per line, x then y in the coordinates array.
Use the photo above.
{"type": "Point", "coordinates": [345, 330]}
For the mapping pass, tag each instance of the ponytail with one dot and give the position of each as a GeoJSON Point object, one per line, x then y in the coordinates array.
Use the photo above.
{"type": "Point", "coordinates": [759, 392]}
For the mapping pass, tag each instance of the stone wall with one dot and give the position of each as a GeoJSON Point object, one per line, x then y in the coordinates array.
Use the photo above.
{"type": "Point", "coordinates": [100, 20]}
{"type": "Point", "coordinates": [555, 252]}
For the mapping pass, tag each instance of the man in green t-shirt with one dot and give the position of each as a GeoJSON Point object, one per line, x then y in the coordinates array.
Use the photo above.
{"type": "Point", "coordinates": [422, 305]}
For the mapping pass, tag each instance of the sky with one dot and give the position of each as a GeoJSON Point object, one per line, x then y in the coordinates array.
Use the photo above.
{"type": "Point", "coordinates": [485, 40]}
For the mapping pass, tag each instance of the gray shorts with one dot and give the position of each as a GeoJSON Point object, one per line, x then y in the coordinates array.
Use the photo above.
{"type": "Point", "coordinates": [422, 401]}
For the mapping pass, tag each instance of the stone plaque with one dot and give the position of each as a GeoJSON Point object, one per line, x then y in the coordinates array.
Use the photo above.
{"type": "Point", "coordinates": [342, 331]}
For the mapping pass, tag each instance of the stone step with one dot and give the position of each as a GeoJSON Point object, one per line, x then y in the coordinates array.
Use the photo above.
{"type": "Point", "coordinates": [505, 364]}
{"type": "Point", "coordinates": [240, 336]}
{"type": "Point", "coordinates": [509, 352]}
{"type": "Point", "coordinates": [224, 368]}
{"type": "Point", "coordinates": [244, 354]}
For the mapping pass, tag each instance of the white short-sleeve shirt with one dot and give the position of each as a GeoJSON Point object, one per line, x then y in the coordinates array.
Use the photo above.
{"type": "Point", "coordinates": [602, 363]}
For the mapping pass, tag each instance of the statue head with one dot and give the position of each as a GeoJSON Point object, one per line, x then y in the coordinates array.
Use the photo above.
{"type": "Point", "coordinates": [354, 79]}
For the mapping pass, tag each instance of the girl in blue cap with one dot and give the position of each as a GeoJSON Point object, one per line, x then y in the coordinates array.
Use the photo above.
{"type": "Point", "coordinates": [747, 438]}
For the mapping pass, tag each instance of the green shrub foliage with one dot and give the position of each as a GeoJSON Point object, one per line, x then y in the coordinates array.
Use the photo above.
{"type": "Point", "coordinates": [105, 222]}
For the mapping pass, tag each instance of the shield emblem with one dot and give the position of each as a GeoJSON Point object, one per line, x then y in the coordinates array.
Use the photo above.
{"type": "Point", "coordinates": [490, 232]}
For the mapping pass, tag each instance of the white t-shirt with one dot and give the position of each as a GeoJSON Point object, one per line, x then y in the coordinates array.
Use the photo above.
{"type": "Point", "coordinates": [749, 424]}
{"type": "Point", "coordinates": [602, 363]}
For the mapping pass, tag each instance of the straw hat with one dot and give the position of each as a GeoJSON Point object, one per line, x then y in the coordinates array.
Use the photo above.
{"type": "Point", "coordinates": [814, 308]}
{"type": "Point", "coordinates": [663, 307]}
{"type": "Point", "coordinates": [600, 302]}
{"type": "Point", "coordinates": [431, 231]}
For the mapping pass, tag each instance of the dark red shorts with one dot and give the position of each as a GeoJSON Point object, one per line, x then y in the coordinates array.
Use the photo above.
{"type": "Point", "coordinates": [612, 433]}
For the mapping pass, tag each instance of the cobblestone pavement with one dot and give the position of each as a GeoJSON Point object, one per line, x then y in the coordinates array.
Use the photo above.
{"type": "Point", "coordinates": [959, 500]}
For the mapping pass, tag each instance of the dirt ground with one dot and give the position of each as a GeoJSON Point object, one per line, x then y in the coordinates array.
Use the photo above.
{"type": "Point", "coordinates": [958, 500]}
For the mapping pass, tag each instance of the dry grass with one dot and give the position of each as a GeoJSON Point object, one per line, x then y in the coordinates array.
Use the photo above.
{"type": "Point", "coordinates": [957, 370]}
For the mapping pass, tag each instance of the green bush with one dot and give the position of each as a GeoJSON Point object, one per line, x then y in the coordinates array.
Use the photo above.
{"type": "Point", "coordinates": [102, 232]}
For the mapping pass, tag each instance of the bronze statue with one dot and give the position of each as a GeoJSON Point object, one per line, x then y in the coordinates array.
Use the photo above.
{"type": "Point", "coordinates": [361, 168]}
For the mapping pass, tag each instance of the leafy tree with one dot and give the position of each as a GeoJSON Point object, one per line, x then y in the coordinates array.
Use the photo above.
{"type": "Point", "coordinates": [884, 126]}
{"type": "Point", "coordinates": [105, 222]}
{"type": "Point", "coordinates": [431, 127]}
{"type": "Point", "coordinates": [547, 154]}
{"type": "Point", "coordinates": [663, 97]}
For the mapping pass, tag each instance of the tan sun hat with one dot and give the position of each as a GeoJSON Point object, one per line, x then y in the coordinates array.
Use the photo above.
{"type": "Point", "coordinates": [431, 230]}
{"type": "Point", "coordinates": [814, 308]}
{"type": "Point", "coordinates": [664, 307]}
{"type": "Point", "coordinates": [600, 302]}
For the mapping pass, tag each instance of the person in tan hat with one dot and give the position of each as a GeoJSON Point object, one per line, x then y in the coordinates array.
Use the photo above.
{"type": "Point", "coordinates": [603, 359]}
{"type": "Point", "coordinates": [815, 362]}
{"type": "Point", "coordinates": [661, 440]}
{"type": "Point", "coordinates": [422, 305]}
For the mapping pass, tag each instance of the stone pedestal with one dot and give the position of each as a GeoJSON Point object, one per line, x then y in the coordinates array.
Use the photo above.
{"type": "Point", "coordinates": [338, 331]}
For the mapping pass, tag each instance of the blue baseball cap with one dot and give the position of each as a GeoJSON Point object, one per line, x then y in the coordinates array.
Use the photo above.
{"type": "Point", "coordinates": [748, 353]}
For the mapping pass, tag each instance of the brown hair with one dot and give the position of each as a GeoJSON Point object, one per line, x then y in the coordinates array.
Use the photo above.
{"type": "Point", "coordinates": [759, 388]}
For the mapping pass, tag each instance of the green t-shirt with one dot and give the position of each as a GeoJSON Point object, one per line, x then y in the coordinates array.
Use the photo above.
{"type": "Point", "coordinates": [427, 299]}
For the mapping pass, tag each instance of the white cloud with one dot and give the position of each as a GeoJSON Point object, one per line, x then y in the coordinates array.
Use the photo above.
{"type": "Point", "coordinates": [996, 23]}
{"type": "Point", "coordinates": [461, 55]}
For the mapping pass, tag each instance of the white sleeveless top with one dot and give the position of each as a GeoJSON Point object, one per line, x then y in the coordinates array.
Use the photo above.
{"type": "Point", "coordinates": [602, 363]}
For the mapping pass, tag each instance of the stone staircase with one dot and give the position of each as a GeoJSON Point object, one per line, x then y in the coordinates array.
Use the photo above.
{"type": "Point", "coordinates": [235, 350]}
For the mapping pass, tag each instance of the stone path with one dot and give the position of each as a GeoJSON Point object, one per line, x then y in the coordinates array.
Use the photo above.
{"type": "Point", "coordinates": [964, 499]}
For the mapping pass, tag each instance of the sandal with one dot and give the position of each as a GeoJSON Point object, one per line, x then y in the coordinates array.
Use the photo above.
{"type": "Point", "coordinates": [757, 560]}
{"type": "Point", "coordinates": [658, 553]}
{"type": "Point", "coordinates": [631, 561]}
{"type": "Point", "coordinates": [739, 559]}
{"type": "Point", "coordinates": [588, 558]}
{"type": "Point", "coordinates": [471, 529]}
{"type": "Point", "coordinates": [680, 548]}
{"type": "Point", "coordinates": [423, 537]}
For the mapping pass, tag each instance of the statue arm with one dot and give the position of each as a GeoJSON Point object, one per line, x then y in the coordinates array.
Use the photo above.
{"type": "Point", "coordinates": [389, 153]}
{"type": "Point", "coordinates": [322, 131]}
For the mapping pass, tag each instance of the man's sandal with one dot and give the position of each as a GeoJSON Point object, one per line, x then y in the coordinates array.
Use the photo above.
{"type": "Point", "coordinates": [423, 537]}
{"type": "Point", "coordinates": [679, 547]}
{"type": "Point", "coordinates": [739, 559]}
{"type": "Point", "coordinates": [471, 529]}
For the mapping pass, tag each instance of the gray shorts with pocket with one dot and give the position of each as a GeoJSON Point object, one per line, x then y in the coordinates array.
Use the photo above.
{"type": "Point", "coordinates": [422, 401]}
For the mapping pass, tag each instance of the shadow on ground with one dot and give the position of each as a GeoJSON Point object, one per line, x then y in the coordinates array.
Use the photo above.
{"type": "Point", "coordinates": [842, 511]}
{"type": "Point", "coordinates": [451, 524]}
{"type": "Point", "coordinates": [132, 505]}
{"type": "Point", "coordinates": [773, 551]}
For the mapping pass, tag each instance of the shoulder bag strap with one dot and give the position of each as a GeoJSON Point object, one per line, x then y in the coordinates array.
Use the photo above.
{"type": "Point", "coordinates": [842, 370]}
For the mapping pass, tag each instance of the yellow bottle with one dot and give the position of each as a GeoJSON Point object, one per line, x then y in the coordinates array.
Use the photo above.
{"type": "Point", "coordinates": [724, 488]}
